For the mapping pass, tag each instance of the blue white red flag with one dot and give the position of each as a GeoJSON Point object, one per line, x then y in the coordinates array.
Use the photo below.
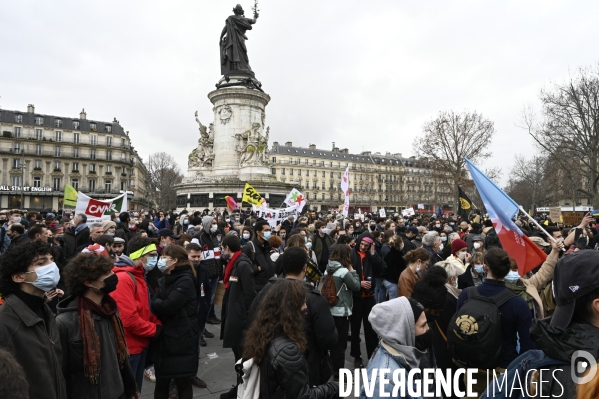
{"type": "Point", "coordinates": [501, 209]}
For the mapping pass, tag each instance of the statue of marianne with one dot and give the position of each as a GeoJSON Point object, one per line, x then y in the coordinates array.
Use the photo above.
{"type": "Point", "coordinates": [233, 53]}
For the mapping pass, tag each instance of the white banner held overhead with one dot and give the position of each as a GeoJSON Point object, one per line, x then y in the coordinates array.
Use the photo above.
{"type": "Point", "coordinates": [382, 213]}
{"type": "Point", "coordinates": [408, 212]}
{"type": "Point", "coordinates": [98, 210]}
{"type": "Point", "coordinates": [345, 189]}
{"type": "Point", "coordinates": [420, 206]}
{"type": "Point", "coordinates": [275, 215]}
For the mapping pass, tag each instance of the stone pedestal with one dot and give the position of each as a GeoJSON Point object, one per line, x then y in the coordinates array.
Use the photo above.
{"type": "Point", "coordinates": [233, 150]}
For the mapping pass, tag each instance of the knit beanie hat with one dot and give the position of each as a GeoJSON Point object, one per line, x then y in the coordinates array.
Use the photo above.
{"type": "Point", "coordinates": [430, 290]}
{"type": "Point", "coordinates": [417, 308]}
{"type": "Point", "coordinates": [106, 224]}
{"type": "Point", "coordinates": [458, 244]}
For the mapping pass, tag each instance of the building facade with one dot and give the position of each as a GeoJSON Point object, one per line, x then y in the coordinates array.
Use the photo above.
{"type": "Point", "coordinates": [377, 181]}
{"type": "Point", "coordinates": [41, 153]}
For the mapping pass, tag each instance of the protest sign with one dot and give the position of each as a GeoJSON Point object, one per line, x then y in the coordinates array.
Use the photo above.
{"type": "Point", "coordinates": [555, 214]}
{"type": "Point", "coordinates": [408, 212]}
{"type": "Point", "coordinates": [275, 215]}
{"type": "Point", "coordinates": [98, 210]}
{"type": "Point", "coordinates": [251, 196]}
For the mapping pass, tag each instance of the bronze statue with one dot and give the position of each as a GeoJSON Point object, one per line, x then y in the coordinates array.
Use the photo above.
{"type": "Point", "coordinates": [234, 56]}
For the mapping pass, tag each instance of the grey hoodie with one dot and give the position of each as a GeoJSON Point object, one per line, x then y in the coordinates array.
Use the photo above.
{"type": "Point", "coordinates": [394, 322]}
{"type": "Point", "coordinates": [206, 223]}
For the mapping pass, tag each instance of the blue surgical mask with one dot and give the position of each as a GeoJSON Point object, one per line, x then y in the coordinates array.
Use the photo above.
{"type": "Point", "coordinates": [110, 234]}
{"type": "Point", "coordinates": [266, 235]}
{"type": "Point", "coordinates": [152, 261]}
{"type": "Point", "coordinates": [309, 245]}
{"type": "Point", "coordinates": [161, 264]}
{"type": "Point", "coordinates": [47, 277]}
{"type": "Point", "coordinates": [512, 276]}
{"type": "Point", "coordinates": [306, 240]}
{"type": "Point", "coordinates": [480, 269]}
{"type": "Point", "coordinates": [443, 239]}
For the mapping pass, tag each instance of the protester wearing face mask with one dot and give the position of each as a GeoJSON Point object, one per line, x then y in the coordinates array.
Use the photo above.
{"type": "Point", "coordinates": [131, 296]}
{"type": "Point", "coordinates": [417, 261]}
{"type": "Point", "coordinates": [28, 328]}
{"type": "Point", "coordinates": [258, 251]}
{"type": "Point", "coordinates": [106, 372]}
{"type": "Point", "coordinates": [478, 244]}
{"type": "Point", "coordinates": [367, 264]}
{"type": "Point", "coordinates": [246, 235]}
{"type": "Point", "coordinates": [474, 274]}
{"type": "Point", "coordinates": [459, 253]}
{"type": "Point", "coordinates": [322, 242]}
{"type": "Point", "coordinates": [109, 227]}
{"type": "Point", "coordinates": [405, 337]}
{"type": "Point", "coordinates": [211, 259]}
{"type": "Point", "coordinates": [240, 291]}
{"type": "Point", "coordinates": [176, 305]}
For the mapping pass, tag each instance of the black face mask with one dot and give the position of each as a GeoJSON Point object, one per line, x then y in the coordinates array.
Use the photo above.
{"type": "Point", "coordinates": [110, 284]}
{"type": "Point", "coordinates": [424, 341]}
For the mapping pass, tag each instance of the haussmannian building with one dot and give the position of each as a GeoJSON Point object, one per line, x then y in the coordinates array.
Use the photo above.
{"type": "Point", "coordinates": [377, 180]}
{"type": "Point", "coordinates": [41, 153]}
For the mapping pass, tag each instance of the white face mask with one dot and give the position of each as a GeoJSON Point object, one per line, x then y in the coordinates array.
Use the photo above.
{"type": "Point", "coordinates": [476, 245]}
{"type": "Point", "coordinates": [246, 236]}
{"type": "Point", "coordinates": [462, 255]}
{"type": "Point", "coordinates": [48, 277]}
{"type": "Point", "coordinates": [213, 228]}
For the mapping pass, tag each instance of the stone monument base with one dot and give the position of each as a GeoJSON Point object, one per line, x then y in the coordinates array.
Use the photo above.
{"type": "Point", "coordinates": [205, 194]}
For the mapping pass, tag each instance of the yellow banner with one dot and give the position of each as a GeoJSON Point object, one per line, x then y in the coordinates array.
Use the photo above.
{"type": "Point", "coordinates": [251, 196]}
{"type": "Point", "coordinates": [70, 195]}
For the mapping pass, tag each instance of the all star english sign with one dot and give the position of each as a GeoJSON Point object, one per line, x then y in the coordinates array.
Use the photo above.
{"type": "Point", "coordinates": [98, 210]}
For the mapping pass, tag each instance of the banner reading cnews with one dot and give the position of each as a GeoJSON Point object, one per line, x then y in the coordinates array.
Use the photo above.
{"type": "Point", "coordinates": [98, 210]}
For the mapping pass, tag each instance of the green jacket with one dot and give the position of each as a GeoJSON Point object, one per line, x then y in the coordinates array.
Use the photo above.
{"type": "Point", "coordinates": [342, 276]}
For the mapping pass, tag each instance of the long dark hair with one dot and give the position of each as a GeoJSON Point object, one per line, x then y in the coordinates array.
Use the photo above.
{"type": "Point", "coordinates": [179, 253]}
{"type": "Point", "coordinates": [279, 314]}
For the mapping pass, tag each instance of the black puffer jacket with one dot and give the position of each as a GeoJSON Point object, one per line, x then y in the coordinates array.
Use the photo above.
{"type": "Point", "coordinates": [284, 374]}
{"type": "Point", "coordinates": [114, 382]}
{"type": "Point", "coordinates": [395, 265]}
{"type": "Point", "coordinates": [176, 306]}
{"type": "Point", "coordinates": [237, 301]}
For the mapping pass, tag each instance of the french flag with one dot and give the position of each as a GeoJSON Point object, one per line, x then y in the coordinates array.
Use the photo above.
{"type": "Point", "coordinates": [501, 209]}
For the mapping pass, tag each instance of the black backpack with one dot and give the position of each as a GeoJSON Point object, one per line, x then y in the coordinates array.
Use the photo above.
{"type": "Point", "coordinates": [474, 334]}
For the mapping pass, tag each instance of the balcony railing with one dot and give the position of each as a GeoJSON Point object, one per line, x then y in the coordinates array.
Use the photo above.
{"type": "Point", "coordinates": [81, 140]}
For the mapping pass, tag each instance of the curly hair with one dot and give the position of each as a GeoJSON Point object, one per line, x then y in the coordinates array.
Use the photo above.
{"type": "Point", "coordinates": [85, 267]}
{"type": "Point", "coordinates": [17, 259]}
{"type": "Point", "coordinates": [279, 313]}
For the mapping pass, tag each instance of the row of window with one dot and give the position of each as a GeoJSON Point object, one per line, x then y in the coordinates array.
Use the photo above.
{"type": "Point", "coordinates": [39, 120]}
{"type": "Point", "coordinates": [58, 186]}
{"type": "Point", "coordinates": [37, 165]}
{"type": "Point", "coordinates": [75, 154]}
{"type": "Point", "coordinates": [332, 174]}
{"type": "Point", "coordinates": [323, 164]}
{"type": "Point", "coordinates": [58, 136]}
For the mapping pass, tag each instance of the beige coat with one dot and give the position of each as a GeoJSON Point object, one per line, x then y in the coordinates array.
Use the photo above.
{"type": "Point", "coordinates": [539, 280]}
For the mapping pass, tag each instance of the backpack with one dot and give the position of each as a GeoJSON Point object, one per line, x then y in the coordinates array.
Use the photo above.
{"type": "Point", "coordinates": [474, 334]}
{"type": "Point", "coordinates": [328, 290]}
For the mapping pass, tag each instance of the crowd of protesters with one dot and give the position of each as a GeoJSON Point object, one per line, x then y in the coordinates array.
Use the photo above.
{"type": "Point", "coordinates": [91, 310]}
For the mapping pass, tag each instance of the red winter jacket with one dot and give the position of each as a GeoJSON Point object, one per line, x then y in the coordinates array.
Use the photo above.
{"type": "Point", "coordinates": [134, 306]}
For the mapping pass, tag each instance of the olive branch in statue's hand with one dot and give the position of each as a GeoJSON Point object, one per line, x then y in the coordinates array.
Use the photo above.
{"type": "Point", "coordinates": [255, 9]}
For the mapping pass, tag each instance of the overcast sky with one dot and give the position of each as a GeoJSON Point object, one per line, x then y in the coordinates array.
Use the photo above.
{"type": "Point", "coordinates": [364, 74]}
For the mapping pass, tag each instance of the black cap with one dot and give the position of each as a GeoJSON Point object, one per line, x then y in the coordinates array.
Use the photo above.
{"type": "Point", "coordinates": [167, 233]}
{"type": "Point", "coordinates": [575, 276]}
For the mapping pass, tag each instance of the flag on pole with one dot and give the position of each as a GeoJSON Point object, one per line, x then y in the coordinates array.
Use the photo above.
{"type": "Point", "coordinates": [501, 209]}
{"type": "Point", "coordinates": [345, 189]}
{"type": "Point", "coordinates": [251, 196]}
{"type": "Point", "coordinates": [465, 205]}
{"type": "Point", "coordinates": [231, 203]}
{"type": "Point", "coordinates": [295, 197]}
{"type": "Point", "coordinates": [70, 195]}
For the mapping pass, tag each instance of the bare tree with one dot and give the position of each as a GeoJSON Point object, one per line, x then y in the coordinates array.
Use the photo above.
{"type": "Point", "coordinates": [163, 173]}
{"type": "Point", "coordinates": [533, 173]}
{"type": "Point", "coordinates": [570, 125]}
{"type": "Point", "coordinates": [449, 139]}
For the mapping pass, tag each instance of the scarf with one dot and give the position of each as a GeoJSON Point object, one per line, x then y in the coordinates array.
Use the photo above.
{"type": "Point", "coordinates": [229, 268]}
{"type": "Point", "coordinates": [91, 341]}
